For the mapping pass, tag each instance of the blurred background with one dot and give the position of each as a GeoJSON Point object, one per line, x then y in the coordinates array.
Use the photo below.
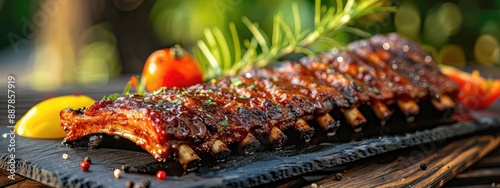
{"type": "Point", "coordinates": [51, 44]}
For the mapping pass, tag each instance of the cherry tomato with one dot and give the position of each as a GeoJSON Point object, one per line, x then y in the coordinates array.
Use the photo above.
{"type": "Point", "coordinates": [476, 92]}
{"type": "Point", "coordinates": [171, 67]}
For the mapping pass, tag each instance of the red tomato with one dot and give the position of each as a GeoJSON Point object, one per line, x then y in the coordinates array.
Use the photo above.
{"type": "Point", "coordinates": [171, 67]}
{"type": "Point", "coordinates": [476, 92]}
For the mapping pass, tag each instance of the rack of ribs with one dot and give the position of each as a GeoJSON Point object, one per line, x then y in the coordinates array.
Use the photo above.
{"type": "Point", "coordinates": [255, 108]}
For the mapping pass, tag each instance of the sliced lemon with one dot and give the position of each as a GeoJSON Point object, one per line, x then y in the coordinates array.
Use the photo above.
{"type": "Point", "coordinates": [43, 120]}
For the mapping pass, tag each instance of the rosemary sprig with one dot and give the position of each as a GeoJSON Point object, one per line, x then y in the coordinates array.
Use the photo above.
{"type": "Point", "coordinates": [216, 57]}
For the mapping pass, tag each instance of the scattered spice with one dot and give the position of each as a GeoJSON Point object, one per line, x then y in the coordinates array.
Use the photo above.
{"type": "Point", "coordinates": [117, 173]}
{"type": "Point", "coordinates": [85, 166]}
{"type": "Point", "coordinates": [161, 175]}
{"type": "Point", "coordinates": [127, 168]}
{"type": "Point", "coordinates": [145, 183]}
{"type": "Point", "coordinates": [423, 166]}
{"type": "Point", "coordinates": [338, 176]}
{"type": "Point", "coordinates": [87, 159]}
{"type": "Point", "coordinates": [65, 156]}
{"type": "Point", "coordinates": [129, 184]}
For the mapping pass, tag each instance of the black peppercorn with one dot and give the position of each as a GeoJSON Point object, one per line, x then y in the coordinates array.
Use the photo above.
{"type": "Point", "coordinates": [423, 166]}
{"type": "Point", "coordinates": [129, 184]}
{"type": "Point", "coordinates": [125, 168]}
{"type": "Point", "coordinates": [146, 183]}
{"type": "Point", "coordinates": [338, 176]}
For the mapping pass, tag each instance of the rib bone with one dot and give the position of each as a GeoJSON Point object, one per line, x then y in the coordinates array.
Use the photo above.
{"type": "Point", "coordinates": [381, 111]}
{"type": "Point", "coordinates": [304, 130]}
{"type": "Point", "coordinates": [444, 103]}
{"type": "Point", "coordinates": [354, 118]}
{"type": "Point", "coordinates": [188, 158]}
{"type": "Point", "coordinates": [249, 145]}
{"type": "Point", "coordinates": [328, 124]}
{"type": "Point", "coordinates": [277, 138]}
{"type": "Point", "coordinates": [220, 150]}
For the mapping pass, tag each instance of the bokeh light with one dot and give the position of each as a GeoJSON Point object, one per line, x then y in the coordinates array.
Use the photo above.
{"type": "Point", "coordinates": [452, 54]}
{"type": "Point", "coordinates": [487, 49]}
{"type": "Point", "coordinates": [407, 20]}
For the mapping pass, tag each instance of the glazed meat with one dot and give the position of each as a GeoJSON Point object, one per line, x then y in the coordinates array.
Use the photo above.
{"type": "Point", "coordinates": [255, 108]}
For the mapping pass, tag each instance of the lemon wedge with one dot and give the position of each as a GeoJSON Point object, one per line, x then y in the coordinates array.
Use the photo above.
{"type": "Point", "coordinates": [43, 120]}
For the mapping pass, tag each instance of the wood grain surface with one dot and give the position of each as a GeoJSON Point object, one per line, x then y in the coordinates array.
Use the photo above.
{"type": "Point", "coordinates": [408, 171]}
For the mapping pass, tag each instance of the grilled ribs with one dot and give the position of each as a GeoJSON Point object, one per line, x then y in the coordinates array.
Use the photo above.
{"type": "Point", "coordinates": [256, 107]}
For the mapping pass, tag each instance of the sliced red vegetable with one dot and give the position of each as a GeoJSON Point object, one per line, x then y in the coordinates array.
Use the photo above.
{"type": "Point", "coordinates": [476, 92]}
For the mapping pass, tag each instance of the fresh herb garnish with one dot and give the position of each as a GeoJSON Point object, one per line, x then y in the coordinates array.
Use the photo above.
{"type": "Point", "coordinates": [390, 84]}
{"type": "Point", "coordinates": [251, 86]}
{"type": "Point", "coordinates": [278, 108]}
{"type": "Point", "coordinates": [236, 82]}
{"type": "Point", "coordinates": [223, 122]}
{"type": "Point", "coordinates": [111, 97]}
{"type": "Point", "coordinates": [221, 54]}
{"type": "Point", "coordinates": [209, 102]}
{"type": "Point", "coordinates": [160, 102]}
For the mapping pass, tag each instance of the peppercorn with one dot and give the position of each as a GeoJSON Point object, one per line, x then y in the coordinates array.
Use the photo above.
{"type": "Point", "coordinates": [85, 166]}
{"type": "Point", "coordinates": [161, 175]}
{"type": "Point", "coordinates": [423, 166]}
{"type": "Point", "coordinates": [146, 183]}
{"type": "Point", "coordinates": [338, 176]}
{"type": "Point", "coordinates": [125, 167]}
{"type": "Point", "coordinates": [129, 184]}
{"type": "Point", "coordinates": [88, 160]}
{"type": "Point", "coordinates": [117, 173]}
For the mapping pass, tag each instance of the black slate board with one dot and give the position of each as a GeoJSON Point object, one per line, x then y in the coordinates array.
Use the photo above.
{"type": "Point", "coordinates": [42, 161]}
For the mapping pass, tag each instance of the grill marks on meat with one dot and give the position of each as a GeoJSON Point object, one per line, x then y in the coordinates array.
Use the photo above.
{"type": "Point", "coordinates": [255, 107]}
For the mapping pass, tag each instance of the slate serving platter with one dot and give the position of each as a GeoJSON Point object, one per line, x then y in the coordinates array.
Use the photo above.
{"type": "Point", "coordinates": [42, 160]}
